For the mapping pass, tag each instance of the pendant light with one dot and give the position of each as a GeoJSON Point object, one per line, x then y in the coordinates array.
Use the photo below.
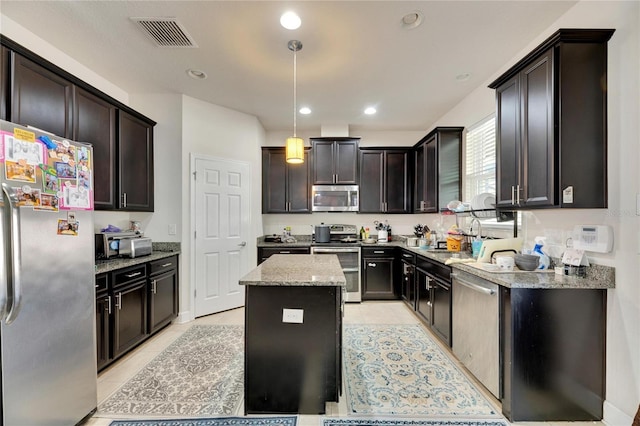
{"type": "Point", "coordinates": [295, 145]}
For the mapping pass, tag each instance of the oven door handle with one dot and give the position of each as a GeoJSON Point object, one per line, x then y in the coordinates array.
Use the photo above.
{"type": "Point", "coordinates": [334, 250]}
{"type": "Point", "coordinates": [351, 270]}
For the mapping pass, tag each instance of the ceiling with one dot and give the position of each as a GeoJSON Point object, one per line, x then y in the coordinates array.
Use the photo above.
{"type": "Point", "coordinates": [355, 53]}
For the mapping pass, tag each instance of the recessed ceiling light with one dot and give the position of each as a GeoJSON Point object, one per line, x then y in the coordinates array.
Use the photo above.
{"type": "Point", "coordinates": [305, 110]}
{"type": "Point", "coordinates": [412, 20]}
{"type": "Point", "coordinates": [370, 111]}
{"type": "Point", "coordinates": [463, 77]}
{"type": "Point", "coordinates": [290, 21]}
{"type": "Point", "coordinates": [196, 74]}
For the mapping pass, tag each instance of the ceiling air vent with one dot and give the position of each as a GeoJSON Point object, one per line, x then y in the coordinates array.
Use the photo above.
{"type": "Point", "coordinates": [165, 32]}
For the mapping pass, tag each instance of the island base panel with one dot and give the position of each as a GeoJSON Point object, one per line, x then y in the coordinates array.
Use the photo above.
{"type": "Point", "coordinates": [292, 367]}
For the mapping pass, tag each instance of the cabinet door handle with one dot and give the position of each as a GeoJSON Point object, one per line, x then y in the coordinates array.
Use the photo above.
{"type": "Point", "coordinates": [135, 274]}
{"type": "Point", "coordinates": [124, 199]}
{"type": "Point", "coordinates": [518, 189]}
{"type": "Point", "coordinates": [513, 195]}
{"type": "Point", "coordinates": [373, 265]}
{"type": "Point", "coordinates": [108, 299]}
{"type": "Point", "coordinates": [406, 255]}
{"type": "Point", "coordinates": [284, 252]}
{"type": "Point", "coordinates": [427, 282]}
{"type": "Point", "coordinates": [164, 265]}
{"type": "Point", "coordinates": [379, 251]}
{"type": "Point", "coordinates": [154, 286]}
{"type": "Point", "coordinates": [119, 301]}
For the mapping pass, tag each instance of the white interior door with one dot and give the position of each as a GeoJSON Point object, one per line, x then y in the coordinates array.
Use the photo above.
{"type": "Point", "coordinates": [222, 216]}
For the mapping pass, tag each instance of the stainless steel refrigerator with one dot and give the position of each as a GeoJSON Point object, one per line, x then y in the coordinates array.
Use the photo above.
{"type": "Point", "coordinates": [47, 295]}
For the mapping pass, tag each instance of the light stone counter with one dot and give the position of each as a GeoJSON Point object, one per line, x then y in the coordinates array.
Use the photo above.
{"type": "Point", "coordinates": [598, 276]}
{"type": "Point", "coordinates": [161, 250]}
{"type": "Point", "coordinates": [297, 270]}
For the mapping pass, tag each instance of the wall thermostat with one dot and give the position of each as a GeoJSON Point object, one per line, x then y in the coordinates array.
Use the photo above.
{"type": "Point", "coordinates": [597, 238]}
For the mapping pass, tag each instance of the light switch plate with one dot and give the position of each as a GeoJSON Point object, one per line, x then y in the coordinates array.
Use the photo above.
{"type": "Point", "coordinates": [294, 316]}
{"type": "Point", "coordinates": [172, 229]}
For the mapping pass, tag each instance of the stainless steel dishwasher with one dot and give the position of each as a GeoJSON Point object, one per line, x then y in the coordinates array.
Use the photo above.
{"type": "Point", "coordinates": [476, 327]}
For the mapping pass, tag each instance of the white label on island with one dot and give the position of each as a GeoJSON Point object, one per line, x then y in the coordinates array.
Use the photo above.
{"type": "Point", "coordinates": [292, 315]}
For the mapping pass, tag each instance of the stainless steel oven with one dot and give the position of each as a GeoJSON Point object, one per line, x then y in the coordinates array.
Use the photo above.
{"type": "Point", "coordinates": [349, 258]}
{"type": "Point", "coordinates": [343, 242]}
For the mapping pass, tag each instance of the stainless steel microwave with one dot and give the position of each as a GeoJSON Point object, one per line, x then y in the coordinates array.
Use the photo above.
{"type": "Point", "coordinates": [335, 198]}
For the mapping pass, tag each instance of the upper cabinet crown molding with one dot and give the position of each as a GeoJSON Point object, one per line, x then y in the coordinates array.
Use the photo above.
{"type": "Point", "coordinates": [563, 35]}
{"type": "Point", "coordinates": [551, 124]}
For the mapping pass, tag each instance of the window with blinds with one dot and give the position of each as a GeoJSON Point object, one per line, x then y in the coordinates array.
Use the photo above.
{"type": "Point", "coordinates": [480, 154]}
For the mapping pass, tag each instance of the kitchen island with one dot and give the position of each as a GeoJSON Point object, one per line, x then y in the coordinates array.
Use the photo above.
{"type": "Point", "coordinates": [293, 334]}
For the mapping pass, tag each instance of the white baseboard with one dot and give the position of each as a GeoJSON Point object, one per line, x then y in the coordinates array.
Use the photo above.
{"type": "Point", "coordinates": [613, 416]}
{"type": "Point", "coordinates": [184, 317]}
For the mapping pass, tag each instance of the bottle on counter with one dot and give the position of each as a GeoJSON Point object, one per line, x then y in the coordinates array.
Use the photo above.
{"type": "Point", "coordinates": [366, 232]}
{"type": "Point", "coordinates": [362, 233]}
{"type": "Point", "coordinates": [389, 233]}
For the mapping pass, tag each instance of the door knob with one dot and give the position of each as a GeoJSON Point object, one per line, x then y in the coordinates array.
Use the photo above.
{"type": "Point", "coordinates": [242, 244]}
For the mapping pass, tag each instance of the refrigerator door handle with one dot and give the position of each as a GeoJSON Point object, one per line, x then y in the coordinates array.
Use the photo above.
{"type": "Point", "coordinates": [4, 262]}
{"type": "Point", "coordinates": [14, 236]}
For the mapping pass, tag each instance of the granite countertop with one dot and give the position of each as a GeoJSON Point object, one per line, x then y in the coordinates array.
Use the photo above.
{"type": "Point", "coordinates": [297, 270]}
{"type": "Point", "coordinates": [602, 278]}
{"type": "Point", "coordinates": [160, 251]}
{"type": "Point", "coordinates": [598, 276]}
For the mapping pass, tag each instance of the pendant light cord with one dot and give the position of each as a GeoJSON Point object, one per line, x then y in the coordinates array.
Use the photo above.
{"type": "Point", "coordinates": [295, 66]}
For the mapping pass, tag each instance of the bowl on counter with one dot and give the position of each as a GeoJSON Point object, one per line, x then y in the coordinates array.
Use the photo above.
{"type": "Point", "coordinates": [526, 262]}
{"type": "Point", "coordinates": [370, 241]}
{"type": "Point", "coordinates": [412, 242]}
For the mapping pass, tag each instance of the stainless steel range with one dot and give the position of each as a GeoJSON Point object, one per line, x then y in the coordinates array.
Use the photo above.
{"type": "Point", "coordinates": [343, 242]}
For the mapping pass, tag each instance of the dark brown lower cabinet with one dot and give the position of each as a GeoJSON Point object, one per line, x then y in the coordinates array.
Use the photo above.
{"type": "Point", "coordinates": [103, 307]}
{"type": "Point", "coordinates": [433, 304]}
{"type": "Point", "coordinates": [553, 354]}
{"type": "Point", "coordinates": [163, 299]}
{"type": "Point", "coordinates": [132, 304]}
{"type": "Point", "coordinates": [423, 298]}
{"type": "Point", "coordinates": [379, 273]}
{"type": "Point", "coordinates": [130, 316]}
{"type": "Point", "coordinates": [441, 314]}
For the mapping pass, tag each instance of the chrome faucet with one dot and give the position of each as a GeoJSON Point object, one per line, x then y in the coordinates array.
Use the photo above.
{"type": "Point", "coordinates": [475, 220]}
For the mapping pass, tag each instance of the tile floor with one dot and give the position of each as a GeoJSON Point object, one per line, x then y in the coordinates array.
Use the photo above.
{"type": "Point", "coordinates": [363, 313]}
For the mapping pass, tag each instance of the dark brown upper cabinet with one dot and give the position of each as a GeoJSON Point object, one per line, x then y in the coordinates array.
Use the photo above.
{"type": "Point", "coordinates": [552, 124]}
{"type": "Point", "coordinates": [95, 123]}
{"type": "Point", "coordinates": [385, 180]}
{"type": "Point", "coordinates": [286, 188]}
{"type": "Point", "coordinates": [36, 92]}
{"type": "Point", "coordinates": [437, 169]}
{"type": "Point", "coordinates": [335, 161]}
{"type": "Point", "coordinates": [40, 97]}
{"type": "Point", "coordinates": [4, 81]}
{"type": "Point", "coordinates": [135, 160]}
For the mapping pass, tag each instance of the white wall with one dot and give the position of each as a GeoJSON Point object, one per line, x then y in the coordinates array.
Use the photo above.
{"type": "Point", "coordinates": [19, 34]}
{"type": "Point", "coordinates": [215, 131]}
{"type": "Point", "coordinates": [623, 309]}
{"type": "Point", "coordinates": [166, 110]}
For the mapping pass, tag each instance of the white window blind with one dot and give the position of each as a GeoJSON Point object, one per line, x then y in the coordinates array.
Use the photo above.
{"type": "Point", "coordinates": [480, 154]}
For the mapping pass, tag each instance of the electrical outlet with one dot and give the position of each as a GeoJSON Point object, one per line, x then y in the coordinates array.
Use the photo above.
{"type": "Point", "coordinates": [292, 315]}
{"type": "Point", "coordinates": [172, 229]}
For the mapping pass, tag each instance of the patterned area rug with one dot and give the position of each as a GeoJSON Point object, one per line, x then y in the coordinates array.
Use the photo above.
{"type": "Point", "coordinates": [220, 421]}
{"type": "Point", "coordinates": [412, 422]}
{"type": "Point", "coordinates": [199, 374]}
{"type": "Point", "coordinates": [399, 369]}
